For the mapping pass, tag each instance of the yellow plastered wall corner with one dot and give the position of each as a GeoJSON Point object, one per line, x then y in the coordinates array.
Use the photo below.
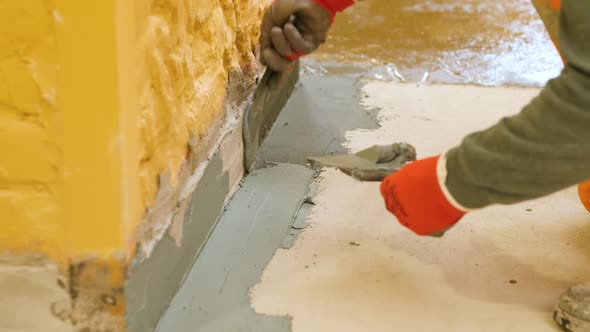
{"type": "Point", "coordinates": [100, 137]}
{"type": "Point", "coordinates": [100, 104]}
{"type": "Point", "coordinates": [97, 100]}
{"type": "Point", "coordinates": [69, 179]}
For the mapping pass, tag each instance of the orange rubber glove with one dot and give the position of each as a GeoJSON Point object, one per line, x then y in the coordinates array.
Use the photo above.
{"type": "Point", "coordinates": [417, 197]}
{"type": "Point", "coordinates": [584, 194]}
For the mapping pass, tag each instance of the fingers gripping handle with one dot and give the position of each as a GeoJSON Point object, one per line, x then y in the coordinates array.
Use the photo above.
{"type": "Point", "coordinates": [333, 7]}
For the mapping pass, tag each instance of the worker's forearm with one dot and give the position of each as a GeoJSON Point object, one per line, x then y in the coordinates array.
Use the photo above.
{"type": "Point", "coordinates": [543, 149]}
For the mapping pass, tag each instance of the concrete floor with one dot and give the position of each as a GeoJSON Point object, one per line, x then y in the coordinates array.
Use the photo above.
{"type": "Point", "coordinates": [356, 269]}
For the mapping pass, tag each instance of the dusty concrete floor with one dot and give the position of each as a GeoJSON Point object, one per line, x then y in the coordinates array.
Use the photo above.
{"type": "Point", "coordinates": [354, 268]}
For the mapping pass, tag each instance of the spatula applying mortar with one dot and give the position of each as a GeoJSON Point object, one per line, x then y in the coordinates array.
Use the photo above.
{"type": "Point", "coordinates": [372, 164]}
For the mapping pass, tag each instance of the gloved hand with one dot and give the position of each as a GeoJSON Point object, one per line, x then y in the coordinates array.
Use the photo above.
{"type": "Point", "coordinates": [293, 28]}
{"type": "Point", "coordinates": [418, 197]}
{"type": "Point", "coordinates": [584, 194]}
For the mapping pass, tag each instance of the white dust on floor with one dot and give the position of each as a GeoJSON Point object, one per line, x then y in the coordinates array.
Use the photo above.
{"type": "Point", "coordinates": [356, 269]}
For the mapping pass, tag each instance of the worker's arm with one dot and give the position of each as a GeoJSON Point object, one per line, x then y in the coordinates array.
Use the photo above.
{"type": "Point", "coordinates": [543, 149]}
{"type": "Point", "coordinates": [293, 28]}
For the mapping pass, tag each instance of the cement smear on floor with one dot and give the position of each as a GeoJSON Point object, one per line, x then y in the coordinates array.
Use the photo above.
{"type": "Point", "coordinates": [315, 120]}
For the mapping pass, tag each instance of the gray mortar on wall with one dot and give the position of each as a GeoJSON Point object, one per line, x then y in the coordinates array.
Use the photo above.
{"type": "Point", "coordinates": [316, 119]}
{"type": "Point", "coordinates": [215, 295]}
{"type": "Point", "coordinates": [179, 224]}
{"type": "Point", "coordinates": [155, 280]}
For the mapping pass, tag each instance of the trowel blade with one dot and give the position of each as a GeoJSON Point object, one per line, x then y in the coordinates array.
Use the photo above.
{"type": "Point", "coordinates": [269, 99]}
{"type": "Point", "coordinates": [252, 122]}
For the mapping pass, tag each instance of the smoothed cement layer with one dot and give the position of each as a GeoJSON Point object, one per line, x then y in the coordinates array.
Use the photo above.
{"type": "Point", "coordinates": [154, 281]}
{"type": "Point", "coordinates": [215, 296]}
{"type": "Point", "coordinates": [314, 121]}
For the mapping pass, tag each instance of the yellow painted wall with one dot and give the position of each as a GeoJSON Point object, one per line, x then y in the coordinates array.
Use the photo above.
{"type": "Point", "coordinates": [31, 122]}
{"type": "Point", "coordinates": [96, 100]}
{"type": "Point", "coordinates": [187, 49]}
{"type": "Point", "coordinates": [68, 127]}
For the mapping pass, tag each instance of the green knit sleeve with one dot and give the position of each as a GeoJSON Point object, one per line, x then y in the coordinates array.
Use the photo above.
{"type": "Point", "coordinates": [543, 149]}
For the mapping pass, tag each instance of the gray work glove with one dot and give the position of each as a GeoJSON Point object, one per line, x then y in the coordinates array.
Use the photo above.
{"type": "Point", "coordinates": [372, 164]}
{"type": "Point", "coordinates": [290, 29]}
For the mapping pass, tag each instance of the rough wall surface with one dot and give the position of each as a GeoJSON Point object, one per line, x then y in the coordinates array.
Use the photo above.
{"type": "Point", "coordinates": [188, 48]}
{"type": "Point", "coordinates": [186, 52]}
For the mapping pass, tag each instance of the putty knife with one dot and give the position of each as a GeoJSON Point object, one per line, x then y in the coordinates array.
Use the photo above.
{"type": "Point", "coordinates": [270, 97]}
